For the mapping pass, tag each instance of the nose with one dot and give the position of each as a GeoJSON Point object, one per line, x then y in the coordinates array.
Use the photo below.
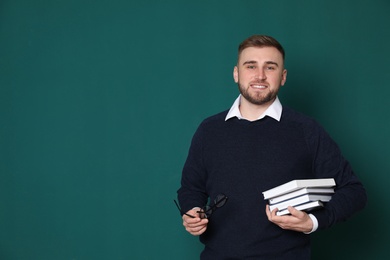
{"type": "Point", "coordinates": [260, 74]}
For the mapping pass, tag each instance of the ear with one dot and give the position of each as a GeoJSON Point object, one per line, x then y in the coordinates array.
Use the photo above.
{"type": "Point", "coordinates": [284, 77]}
{"type": "Point", "coordinates": [235, 74]}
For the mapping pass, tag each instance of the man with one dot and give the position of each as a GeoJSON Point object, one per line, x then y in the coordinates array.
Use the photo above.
{"type": "Point", "coordinates": [255, 146]}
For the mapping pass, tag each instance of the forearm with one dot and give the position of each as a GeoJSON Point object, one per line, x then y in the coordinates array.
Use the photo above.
{"type": "Point", "coordinates": [345, 202]}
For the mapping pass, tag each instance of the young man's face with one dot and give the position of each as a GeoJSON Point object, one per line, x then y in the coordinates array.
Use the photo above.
{"type": "Point", "coordinates": [259, 74]}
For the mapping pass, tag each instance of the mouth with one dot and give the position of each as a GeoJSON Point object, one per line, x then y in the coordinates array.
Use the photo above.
{"type": "Point", "coordinates": [258, 85]}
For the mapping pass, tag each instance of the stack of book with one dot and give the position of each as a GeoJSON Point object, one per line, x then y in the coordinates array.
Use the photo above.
{"type": "Point", "coordinates": [306, 195]}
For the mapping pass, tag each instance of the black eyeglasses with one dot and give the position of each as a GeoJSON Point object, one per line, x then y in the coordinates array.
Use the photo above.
{"type": "Point", "coordinates": [208, 210]}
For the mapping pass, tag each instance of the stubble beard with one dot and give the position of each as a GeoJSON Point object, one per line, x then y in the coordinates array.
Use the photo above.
{"type": "Point", "coordinates": [257, 98]}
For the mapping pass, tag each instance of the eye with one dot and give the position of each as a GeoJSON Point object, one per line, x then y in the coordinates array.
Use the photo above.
{"type": "Point", "coordinates": [251, 67]}
{"type": "Point", "coordinates": [270, 68]}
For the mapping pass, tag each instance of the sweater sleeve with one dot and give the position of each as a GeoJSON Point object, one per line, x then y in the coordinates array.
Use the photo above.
{"type": "Point", "coordinates": [192, 192]}
{"type": "Point", "coordinates": [328, 162]}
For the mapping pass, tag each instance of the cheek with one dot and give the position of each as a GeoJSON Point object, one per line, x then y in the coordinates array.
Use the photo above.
{"type": "Point", "coordinates": [245, 77]}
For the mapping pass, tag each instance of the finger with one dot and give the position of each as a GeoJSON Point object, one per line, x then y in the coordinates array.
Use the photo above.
{"type": "Point", "coordinates": [197, 229]}
{"type": "Point", "coordinates": [189, 219]}
{"type": "Point", "coordinates": [273, 213]}
{"type": "Point", "coordinates": [194, 212]}
{"type": "Point", "coordinates": [296, 213]}
{"type": "Point", "coordinates": [268, 212]}
{"type": "Point", "coordinates": [191, 222]}
{"type": "Point", "coordinates": [198, 232]}
{"type": "Point", "coordinates": [195, 222]}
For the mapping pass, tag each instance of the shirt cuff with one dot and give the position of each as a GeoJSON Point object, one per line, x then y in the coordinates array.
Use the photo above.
{"type": "Point", "coordinates": [315, 224]}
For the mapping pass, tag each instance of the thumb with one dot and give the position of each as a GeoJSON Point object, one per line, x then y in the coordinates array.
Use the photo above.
{"type": "Point", "coordinates": [294, 212]}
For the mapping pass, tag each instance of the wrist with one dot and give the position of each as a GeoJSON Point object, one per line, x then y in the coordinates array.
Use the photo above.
{"type": "Point", "coordinates": [314, 222]}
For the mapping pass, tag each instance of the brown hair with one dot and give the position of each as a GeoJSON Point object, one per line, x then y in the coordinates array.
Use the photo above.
{"type": "Point", "coordinates": [260, 41]}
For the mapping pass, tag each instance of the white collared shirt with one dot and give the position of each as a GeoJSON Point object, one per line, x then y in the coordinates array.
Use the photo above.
{"type": "Point", "coordinates": [274, 110]}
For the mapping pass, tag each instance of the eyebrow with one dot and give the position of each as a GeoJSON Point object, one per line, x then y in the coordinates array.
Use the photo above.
{"type": "Point", "coordinates": [267, 62]}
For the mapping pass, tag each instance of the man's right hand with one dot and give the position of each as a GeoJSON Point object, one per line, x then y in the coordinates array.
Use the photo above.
{"type": "Point", "coordinates": [195, 226]}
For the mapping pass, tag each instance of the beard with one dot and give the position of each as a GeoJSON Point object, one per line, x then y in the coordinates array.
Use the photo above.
{"type": "Point", "coordinates": [257, 98]}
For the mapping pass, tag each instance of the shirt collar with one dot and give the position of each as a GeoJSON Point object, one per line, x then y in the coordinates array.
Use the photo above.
{"type": "Point", "coordinates": [274, 110]}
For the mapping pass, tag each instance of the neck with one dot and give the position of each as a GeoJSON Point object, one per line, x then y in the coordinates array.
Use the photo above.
{"type": "Point", "coordinates": [252, 111]}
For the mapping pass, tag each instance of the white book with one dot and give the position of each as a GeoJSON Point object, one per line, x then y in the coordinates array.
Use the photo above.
{"type": "Point", "coordinates": [296, 185]}
{"type": "Point", "coordinates": [300, 192]}
{"type": "Point", "coordinates": [300, 200]}
{"type": "Point", "coordinates": [306, 207]}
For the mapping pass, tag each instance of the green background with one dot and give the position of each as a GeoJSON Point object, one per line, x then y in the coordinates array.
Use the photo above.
{"type": "Point", "coordinates": [99, 101]}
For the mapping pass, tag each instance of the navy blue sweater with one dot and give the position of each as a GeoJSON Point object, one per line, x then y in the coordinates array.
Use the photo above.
{"type": "Point", "coordinates": [241, 159]}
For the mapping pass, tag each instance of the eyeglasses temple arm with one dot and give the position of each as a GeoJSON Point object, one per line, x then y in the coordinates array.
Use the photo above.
{"type": "Point", "coordinates": [177, 205]}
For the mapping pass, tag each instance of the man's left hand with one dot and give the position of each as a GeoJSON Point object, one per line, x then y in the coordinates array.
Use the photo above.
{"type": "Point", "coordinates": [297, 221]}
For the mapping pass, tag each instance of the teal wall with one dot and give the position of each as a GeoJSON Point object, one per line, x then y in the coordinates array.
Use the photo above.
{"type": "Point", "coordinates": [99, 101]}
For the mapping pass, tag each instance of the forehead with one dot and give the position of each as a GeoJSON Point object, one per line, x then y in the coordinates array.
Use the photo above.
{"type": "Point", "coordinates": [260, 55]}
